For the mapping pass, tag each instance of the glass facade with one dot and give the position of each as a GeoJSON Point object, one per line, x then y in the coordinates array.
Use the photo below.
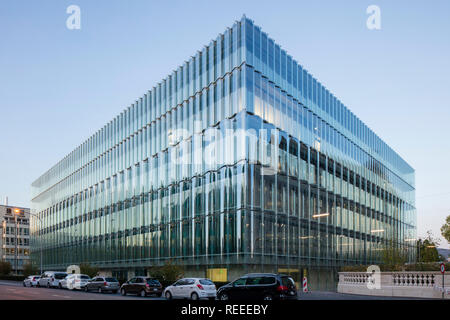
{"type": "Point", "coordinates": [239, 158]}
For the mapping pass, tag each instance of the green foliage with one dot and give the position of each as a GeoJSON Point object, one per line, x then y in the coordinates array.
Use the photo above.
{"type": "Point", "coordinates": [30, 269]}
{"type": "Point", "coordinates": [354, 268]}
{"type": "Point", "coordinates": [428, 249]}
{"type": "Point", "coordinates": [168, 273]}
{"type": "Point", "coordinates": [433, 266]}
{"type": "Point", "coordinates": [87, 269]}
{"type": "Point", "coordinates": [445, 229]}
{"type": "Point", "coordinates": [5, 268]}
{"type": "Point", "coordinates": [392, 256]}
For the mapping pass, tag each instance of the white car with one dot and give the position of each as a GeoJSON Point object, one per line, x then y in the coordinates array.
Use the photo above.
{"type": "Point", "coordinates": [31, 281]}
{"type": "Point", "coordinates": [74, 281]}
{"type": "Point", "coordinates": [51, 279]}
{"type": "Point", "coordinates": [191, 288]}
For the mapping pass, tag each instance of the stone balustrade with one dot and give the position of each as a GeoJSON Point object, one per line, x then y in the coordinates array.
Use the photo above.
{"type": "Point", "coordinates": [395, 284]}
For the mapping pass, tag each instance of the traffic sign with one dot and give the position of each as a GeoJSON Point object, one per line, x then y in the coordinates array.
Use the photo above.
{"type": "Point", "coordinates": [442, 268]}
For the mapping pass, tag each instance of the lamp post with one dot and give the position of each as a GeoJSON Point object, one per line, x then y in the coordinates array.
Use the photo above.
{"type": "Point", "coordinates": [40, 242]}
{"type": "Point", "coordinates": [16, 238]}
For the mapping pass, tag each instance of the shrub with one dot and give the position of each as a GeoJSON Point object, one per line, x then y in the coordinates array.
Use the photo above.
{"type": "Point", "coordinates": [87, 269]}
{"type": "Point", "coordinates": [5, 268]}
{"type": "Point", "coordinates": [30, 269]}
{"type": "Point", "coordinates": [12, 277]}
{"type": "Point", "coordinates": [167, 274]}
{"type": "Point", "coordinates": [433, 266]}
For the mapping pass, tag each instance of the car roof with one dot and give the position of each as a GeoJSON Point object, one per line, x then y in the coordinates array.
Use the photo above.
{"type": "Point", "coordinates": [263, 274]}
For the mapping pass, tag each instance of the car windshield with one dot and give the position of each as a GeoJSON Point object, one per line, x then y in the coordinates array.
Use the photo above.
{"type": "Point", "coordinates": [206, 282]}
{"type": "Point", "coordinates": [60, 276]}
{"type": "Point", "coordinates": [111, 280]}
{"type": "Point", "coordinates": [153, 282]}
{"type": "Point", "coordinates": [85, 277]}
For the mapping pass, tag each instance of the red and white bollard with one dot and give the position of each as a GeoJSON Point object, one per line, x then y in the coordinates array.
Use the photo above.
{"type": "Point", "coordinates": [305, 285]}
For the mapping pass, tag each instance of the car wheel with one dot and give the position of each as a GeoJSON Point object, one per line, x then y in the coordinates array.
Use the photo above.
{"type": "Point", "coordinates": [123, 292]}
{"type": "Point", "coordinates": [143, 293]}
{"type": "Point", "coordinates": [194, 296]}
{"type": "Point", "coordinates": [224, 296]}
{"type": "Point", "coordinates": [267, 297]}
{"type": "Point", "coordinates": [168, 295]}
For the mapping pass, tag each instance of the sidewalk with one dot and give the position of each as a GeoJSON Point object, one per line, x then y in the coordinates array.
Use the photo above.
{"type": "Point", "coordinates": [325, 295]}
{"type": "Point", "coordinates": [11, 283]}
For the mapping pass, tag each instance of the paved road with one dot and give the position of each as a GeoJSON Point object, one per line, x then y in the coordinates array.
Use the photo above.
{"type": "Point", "coordinates": [10, 290]}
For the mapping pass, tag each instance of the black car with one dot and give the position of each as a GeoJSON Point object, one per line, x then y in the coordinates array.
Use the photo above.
{"type": "Point", "coordinates": [142, 286]}
{"type": "Point", "coordinates": [259, 286]}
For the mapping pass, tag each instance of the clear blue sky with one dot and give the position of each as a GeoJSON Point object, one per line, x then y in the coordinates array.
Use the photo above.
{"type": "Point", "coordinates": [58, 86]}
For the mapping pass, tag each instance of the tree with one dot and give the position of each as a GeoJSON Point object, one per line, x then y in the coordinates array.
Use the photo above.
{"type": "Point", "coordinates": [393, 257]}
{"type": "Point", "coordinates": [29, 269]}
{"type": "Point", "coordinates": [445, 229]}
{"type": "Point", "coordinates": [428, 248]}
{"type": "Point", "coordinates": [168, 273]}
{"type": "Point", "coordinates": [5, 268]}
{"type": "Point", "coordinates": [87, 269]}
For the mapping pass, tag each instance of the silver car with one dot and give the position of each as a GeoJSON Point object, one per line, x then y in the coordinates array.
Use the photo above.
{"type": "Point", "coordinates": [51, 279]}
{"type": "Point", "coordinates": [31, 281]}
{"type": "Point", "coordinates": [74, 281]}
{"type": "Point", "coordinates": [102, 284]}
{"type": "Point", "coordinates": [191, 288]}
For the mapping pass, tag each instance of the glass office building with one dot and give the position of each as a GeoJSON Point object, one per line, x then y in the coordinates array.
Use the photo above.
{"type": "Point", "coordinates": [240, 160]}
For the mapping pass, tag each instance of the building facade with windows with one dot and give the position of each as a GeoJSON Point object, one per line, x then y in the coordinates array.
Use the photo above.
{"type": "Point", "coordinates": [15, 236]}
{"type": "Point", "coordinates": [238, 161]}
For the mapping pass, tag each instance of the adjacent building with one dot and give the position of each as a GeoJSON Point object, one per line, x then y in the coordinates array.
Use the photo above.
{"type": "Point", "coordinates": [239, 161]}
{"type": "Point", "coordinates": [15, 236]}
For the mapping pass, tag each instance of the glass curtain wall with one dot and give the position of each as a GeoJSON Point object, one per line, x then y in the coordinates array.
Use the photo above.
{"type": "Point", "coordinates": [239, 157]}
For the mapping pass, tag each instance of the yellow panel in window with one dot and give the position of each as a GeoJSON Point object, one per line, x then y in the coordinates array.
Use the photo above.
{"type": "Point", "coordinates": [217, 274]}
{"type": "Point", "coordinates": [287, 270]}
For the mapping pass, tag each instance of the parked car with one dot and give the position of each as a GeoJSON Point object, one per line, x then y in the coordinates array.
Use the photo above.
{"type": "Point", "coordinates": [74, 281]}
{"type": "Point", "coordinates": [265, 286]}
{"type": "Point", "coordinates": [191, 288]}
{"type": "Point", "coordinates": [102, 284]}
{"type": "Point", "coordinates": [31, 281]}
{"type": "Point", "coordinates": [142, 286]}
{"type": "Point", "coordinates": [51, 279]}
